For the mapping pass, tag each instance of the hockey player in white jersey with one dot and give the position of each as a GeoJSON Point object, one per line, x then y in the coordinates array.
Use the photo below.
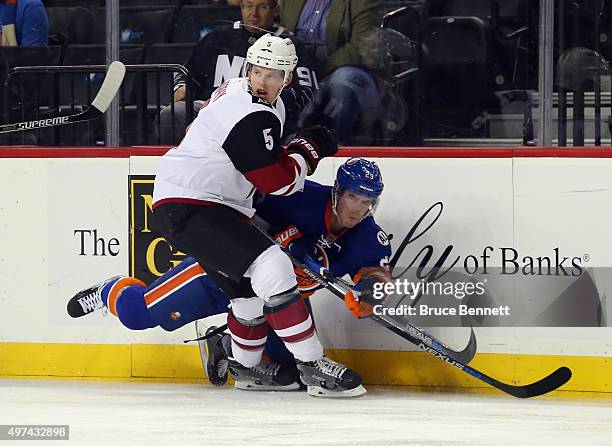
{"type": "Point", "coordinates": [203, 201]}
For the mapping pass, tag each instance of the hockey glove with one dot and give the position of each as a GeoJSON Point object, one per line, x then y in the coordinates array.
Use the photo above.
{"type": "Point", "coordinates": [361, 299]}
{"type": "Point", "coordinates": [293, 240]}
{"type": "Point", "coordinates": [314, 143]}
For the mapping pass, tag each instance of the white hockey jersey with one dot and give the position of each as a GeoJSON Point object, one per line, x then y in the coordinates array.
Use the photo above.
{"type": "Point", "coordinates": [231, 149]}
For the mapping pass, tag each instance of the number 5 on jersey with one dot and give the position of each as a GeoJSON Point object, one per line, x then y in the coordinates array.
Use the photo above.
{"type": "Point", "coordinates": [268, 139]}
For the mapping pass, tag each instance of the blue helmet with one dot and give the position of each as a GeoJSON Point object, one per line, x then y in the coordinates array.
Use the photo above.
{"type": "Point", "coordinates": [361, 177]}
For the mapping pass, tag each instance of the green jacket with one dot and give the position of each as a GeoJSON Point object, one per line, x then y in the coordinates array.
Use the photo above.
{"type": "Point", "coordinates": [348, 23]}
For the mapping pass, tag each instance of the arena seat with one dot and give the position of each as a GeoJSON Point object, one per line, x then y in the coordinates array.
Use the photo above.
{"type": "Point", "coordinates": [33, 85]}
{"type": "Point", "coordinates": [27, 95]}
{"type": "Point", "coordinates": [86, 85]}
{"type": "Point", "coordinates": [195, 21]}
{"type": "Point", "coordinates": [490, 39]}
{"type": "Point", "coordinates": [456, 80]}
{"type": "Point", "coordinates": [169, 53]}
{"type": "Point", "coordinates": [167, 3]}
{"type": "Point", "coordinates": [72, 3]}
{"type": "Point", "coordinates": [71, 25]}
{"type": "Point", "coordinates": [138, 25]}
{"type": "Point", "coordinates": [507, 24]}
{"type": "Point", "coordinates": [165, 53]}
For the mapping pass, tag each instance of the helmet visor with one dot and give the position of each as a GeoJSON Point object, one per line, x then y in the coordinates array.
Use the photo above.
{"type": "Point", "coordinates": [351, 206]}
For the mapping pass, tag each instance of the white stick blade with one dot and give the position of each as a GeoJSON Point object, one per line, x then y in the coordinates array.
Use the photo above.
{"type": "Point", "coordinates": [110, 86]}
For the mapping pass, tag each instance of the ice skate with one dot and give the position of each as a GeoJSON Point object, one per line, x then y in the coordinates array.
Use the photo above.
{"type": "Point", "coordinates": [267, 375]}
{"type": "Point", "coordinates": [88, 300]}
{"type": "Point", "coordinates": [214, 359]}
{"type": "Point", "coordinates": [327, 378]}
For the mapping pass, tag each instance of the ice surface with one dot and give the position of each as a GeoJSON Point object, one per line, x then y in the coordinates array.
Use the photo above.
{"type": "Point", "coordinates": [143, 413]}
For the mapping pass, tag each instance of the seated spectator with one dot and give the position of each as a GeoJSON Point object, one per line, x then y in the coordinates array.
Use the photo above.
{"type": "Point", "coordinates": [219, 56]}
{"type": "Point", "coordinates": [334, 33]}
{"type": "Point", "coordinates": [24, 22]}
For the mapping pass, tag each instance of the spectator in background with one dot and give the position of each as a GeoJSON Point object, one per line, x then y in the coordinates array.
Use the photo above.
{"type": "Point", "coordinates": [24, 22]}
{"type": "Point", "coordinates": [334, 32]}
{"type": "Point", "coordinates": [219, 56]}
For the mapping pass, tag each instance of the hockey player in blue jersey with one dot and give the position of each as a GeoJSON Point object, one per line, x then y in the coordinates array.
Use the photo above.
{"type": "Point", "coordinates": [332, 224]}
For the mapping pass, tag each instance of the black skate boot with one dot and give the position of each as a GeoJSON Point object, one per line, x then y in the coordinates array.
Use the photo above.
{"type": "Point", "coordinates": [88, 300]}
{"type": "Point", "coordinates": [267, 375]}
{"type": "Point", "coordinates": [327, 378]}
{"type": "Point", "coordinates": [214, 359]}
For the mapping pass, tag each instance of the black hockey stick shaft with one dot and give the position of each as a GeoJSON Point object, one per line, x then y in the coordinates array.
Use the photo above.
{"type": "Point", "coordinates": [541, 387]}
{"type": "Point", "coordinates": [547, 384]}
{"type": "Point", "coordinates": [216, 331]}
{"type": "Point", "coordinates": [87, 115]}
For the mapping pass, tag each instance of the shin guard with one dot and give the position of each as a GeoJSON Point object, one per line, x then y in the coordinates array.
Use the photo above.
{"type": "Point", "coordinates": [288, 316]}
{"type": "Point", "coordinates": [248, 338]}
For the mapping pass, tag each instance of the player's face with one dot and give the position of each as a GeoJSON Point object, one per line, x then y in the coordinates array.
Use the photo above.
{"type": "Point", "coordinates": [258, 14]}
{"type": "Point", "coordinates": [266, 82]}
{"type": "Point", "coordinates": [352, 207]}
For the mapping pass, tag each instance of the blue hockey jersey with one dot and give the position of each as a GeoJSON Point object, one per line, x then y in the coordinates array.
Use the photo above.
{"type": "Point", "coordinates": [187, 290]}
{"type": "Point", "coordinates": [365, 245]}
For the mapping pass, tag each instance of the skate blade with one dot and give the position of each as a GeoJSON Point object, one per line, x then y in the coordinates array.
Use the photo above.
{"type": "Point", "coordinates": [242, 385]}
{"type": "Point", "coordinates": [200, 329]}
{"type": "Point", "coordinates": [320, 392]}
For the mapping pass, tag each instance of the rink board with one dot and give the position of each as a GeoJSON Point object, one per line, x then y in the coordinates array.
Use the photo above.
{"type": "Point", "coordinates": [65, 216]}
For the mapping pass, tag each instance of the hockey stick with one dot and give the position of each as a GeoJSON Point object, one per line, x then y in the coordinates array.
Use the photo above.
{"type": "Point", "coordinates": [547, 384]}
{"type": "Point", "coordinates": [108, 90]}
{"type": "Point", "coordinates": [339, 287]}
{"type": "Point", "coordinates": [216, 331]}
{"type": "Point", "coordinates": [464, 356]}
